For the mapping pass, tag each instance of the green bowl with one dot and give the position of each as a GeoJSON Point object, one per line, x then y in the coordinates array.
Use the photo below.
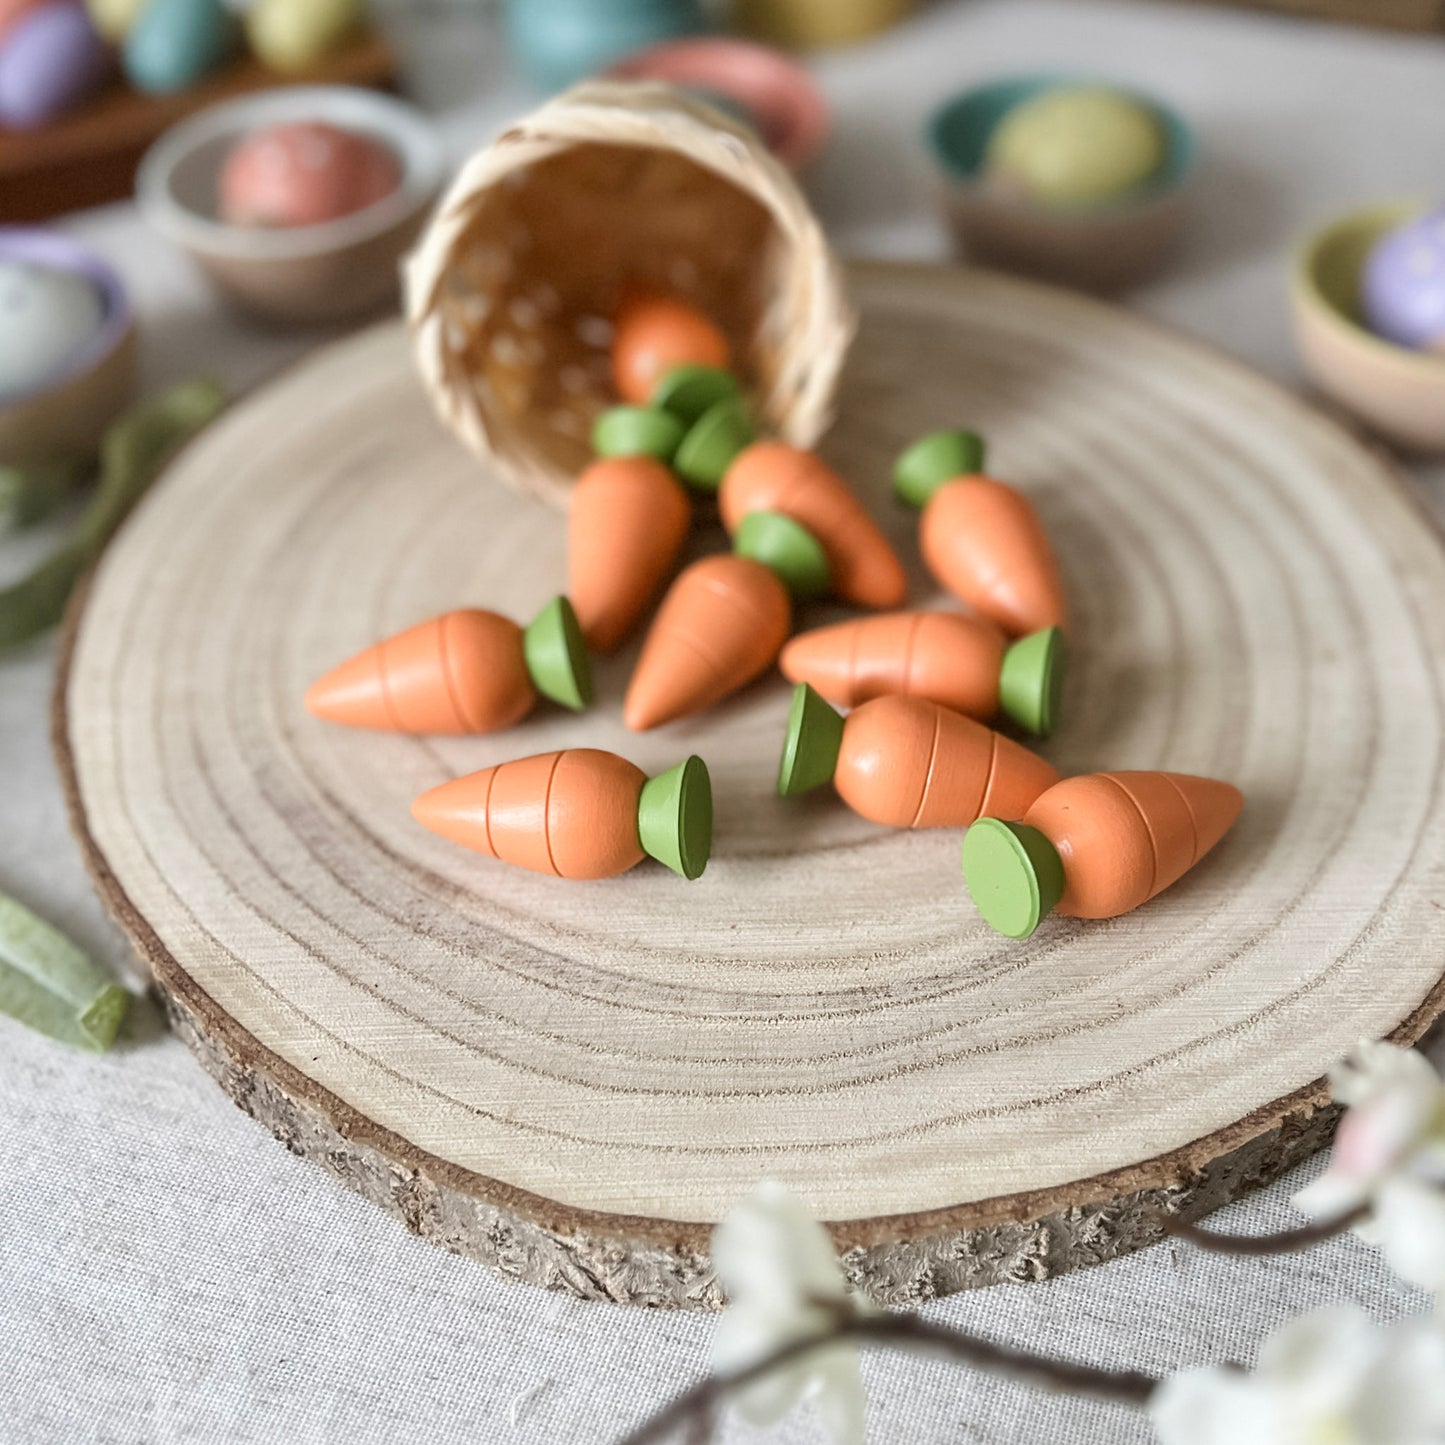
{"type": "Point", "coordinates": [1100, 248]}
{"type": "Point", "coordinates": [959, 133]}
{"type": "Point", "coordinates": [1397, 392]}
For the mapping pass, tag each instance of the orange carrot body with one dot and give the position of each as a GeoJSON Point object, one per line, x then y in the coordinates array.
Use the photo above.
{"type": "Point", "coordinates": [721, 624]}
{"type": "Point", "coordinates": [985, 543]}
{"type": "Point", "coordinates": [572, 814]}
{"type": "Point", "coordinates": [462, 672]}
{"type": "Point", "coordinates": [629, 519]}
{"type": "Point", "coordinates": [940, 656]}
{"type": "Point", "coordinates": [652, 335]}
{"type": "Point", "coordinates": [910, 763]}
{"type": "Point", "coordinates": [1123, 838]}
{"type": "Point", "coordinates": [774, 477]}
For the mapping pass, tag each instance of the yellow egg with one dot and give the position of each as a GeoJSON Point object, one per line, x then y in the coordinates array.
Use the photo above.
{"type": "Point", "coordinates": [289, 35]}
{"type": "Point", "coordinates": [114, 18]}
{"type": "Point", "coordinates": [1076, 146]}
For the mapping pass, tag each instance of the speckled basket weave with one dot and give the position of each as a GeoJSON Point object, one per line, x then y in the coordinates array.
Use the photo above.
{"type": "Point", "coordinates": [606, 189]}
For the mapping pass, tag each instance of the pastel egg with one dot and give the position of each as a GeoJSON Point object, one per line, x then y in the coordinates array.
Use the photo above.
{"type": "Point", "coordinates": [47, 319]}
{"type": "Point", "coordinates": [12, 10]}
{"type": "Point", "coordinates": [304, 173]}
{"type": "Point", "coordinates": [175, 43]}
{"type": "Point", "coordinates": [1075, 146]}
{"type": "Point", "coordinates": [290, 35]}
{"type": "Point", "coordinates": [51, 59]}
{"type": "Point", "coordinates": [115, 18]}
{"type": "Point", "coordinates": [1402, 288]}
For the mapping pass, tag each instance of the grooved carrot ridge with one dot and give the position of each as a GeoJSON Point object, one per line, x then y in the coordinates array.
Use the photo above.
{"type": "Point", "coordinates": [983, 804]}
{"type": "Point", "coordinates": [928, 771]}
{"type": "Point", "coordinates": [487, 813]}
{"type": "Point", "coordinates": [546, 814]}
{"type": "Point", "coordinates": [449, 675]}
{"type": "Point", "coordinates": [1194, 853]}
{"type": "Point", "coordinates": [1148, 828]}
{"type": "Point", "coordinates": [383, 673]}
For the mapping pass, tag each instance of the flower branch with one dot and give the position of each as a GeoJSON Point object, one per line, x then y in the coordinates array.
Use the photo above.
{"type": "Point", "coordinates": [792, 1330]}
{"type": "Point", "coordinates": [907, 1332]}
{"type": "Point", "coordinates": [1287, 1241]}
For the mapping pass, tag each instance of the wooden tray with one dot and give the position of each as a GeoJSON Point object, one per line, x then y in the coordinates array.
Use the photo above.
{"type": "Point", "coordinates": [89, 158]}
{"type": "Point", "coordinates": [573, 1081]}
{"type": "Point", "coordinates": [1389, 14]}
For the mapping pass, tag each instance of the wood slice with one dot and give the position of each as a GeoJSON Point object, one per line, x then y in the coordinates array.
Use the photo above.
{"type": "Point", "coordinates": [573, 1081]}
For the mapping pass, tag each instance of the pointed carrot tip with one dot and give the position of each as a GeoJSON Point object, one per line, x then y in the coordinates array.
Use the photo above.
{"type": "Point", "coordinates": [641, 716]}
{"type": "Point", "coordinates": [318, 700]}
{"type": "Point", "coordinates": [336, 698]}
{"type": "Point", "coordinates": [458, 810]}
{"type": "Point", "coordinates": [1216, 806]}
{"type": "Point", "coordinates": [352, 693]}
{"type": "Point", "coordinates": [431, 807]}
{"type": "Point", "coordinates": [657, 696]}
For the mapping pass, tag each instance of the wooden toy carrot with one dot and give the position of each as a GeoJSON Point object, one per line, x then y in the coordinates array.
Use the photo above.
{"type": "Point", "coordinates": [629, 514]}
{"type": "Point", "coordinates": [652, 335]}
{"type": "Point", "coordinates": [1094, 847]}
{"type": "Point", "coordinates": [723, 621]}
{"type": "Point", "coordinates": [689, 391]}
{"type": "Point", "coordinates": [908, 763]}
{"type": "Point", "coordinates": [774, 477]}
{"type": "Point", "coordinates": [962, 663]}
{"type": "Point", "coordinates": [637, 431]}
{"type": "Point", "coordinates": [719, 453]}
{"type": "Point", "coordinates": [981, 539]}
{"type": "Point", "coordinates": [696, 420]}
{"type": "Point", "coordinates": [579, 813]}
{"type": "Point", "coordinates": [629, 520]}
{"type": "Point", "coordinates": [463, 672]}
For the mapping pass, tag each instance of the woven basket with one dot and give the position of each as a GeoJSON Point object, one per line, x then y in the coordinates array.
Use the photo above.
{"type": "Point", "coordinates": [607, 189]}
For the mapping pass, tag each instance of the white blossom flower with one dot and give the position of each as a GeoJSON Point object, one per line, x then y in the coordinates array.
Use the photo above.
{"type": "Point", "coordinates": [1328, 1378]}
{"type": "Point", "coordinates": [1389, 1154]}
{"type": "Point", "coordinates": [784, 1282]}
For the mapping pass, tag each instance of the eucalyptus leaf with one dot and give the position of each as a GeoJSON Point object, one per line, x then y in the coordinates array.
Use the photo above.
{"type": "Point", "coordinates": [50, 985]}
{"type": "Point", "coordinates": [30, 493]}
{"type": "Point", "coordinates": [132, 455]}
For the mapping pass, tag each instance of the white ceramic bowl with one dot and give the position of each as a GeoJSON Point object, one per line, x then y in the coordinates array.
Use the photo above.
{"type": "Point", "coordinates": [70, 414]}
{"type": "Point", "coordinates": [329, 272]}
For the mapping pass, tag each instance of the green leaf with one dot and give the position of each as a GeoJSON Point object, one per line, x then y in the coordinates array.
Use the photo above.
{"type": "Point", "coordinates": [50, 985]}
{"type": "Point", "coordinates": [30, 493]}
{"type": "Point", "coordinates": [132, 455]}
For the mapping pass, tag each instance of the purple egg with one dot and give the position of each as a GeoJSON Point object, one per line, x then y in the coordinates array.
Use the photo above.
{"type": "Point", "coordinates": [1402, 290]}
{"type": "Point", "coordinates": [50, 61]}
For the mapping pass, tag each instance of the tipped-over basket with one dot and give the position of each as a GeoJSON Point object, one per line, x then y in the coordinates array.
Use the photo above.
{"type": "Point", "coordinates": [609, 190]}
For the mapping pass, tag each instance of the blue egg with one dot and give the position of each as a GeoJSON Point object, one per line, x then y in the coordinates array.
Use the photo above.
{"type": "Point", "coordinates": [175, 43]}
{"type": "Point", "coordinates": [561, 41]}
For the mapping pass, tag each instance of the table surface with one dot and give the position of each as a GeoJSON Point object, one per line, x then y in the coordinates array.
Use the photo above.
{"type": "Point", "coordinates": [168, 1273]}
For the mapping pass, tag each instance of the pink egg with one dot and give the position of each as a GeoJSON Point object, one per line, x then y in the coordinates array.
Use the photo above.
{"type": "Point", "coordinates": [12, 10]}
{"type": "Point", "coordinates": [304, 173]}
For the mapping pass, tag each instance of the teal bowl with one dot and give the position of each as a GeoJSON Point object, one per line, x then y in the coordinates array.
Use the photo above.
{"type": "Point", "coordinates": [1102, 247]}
